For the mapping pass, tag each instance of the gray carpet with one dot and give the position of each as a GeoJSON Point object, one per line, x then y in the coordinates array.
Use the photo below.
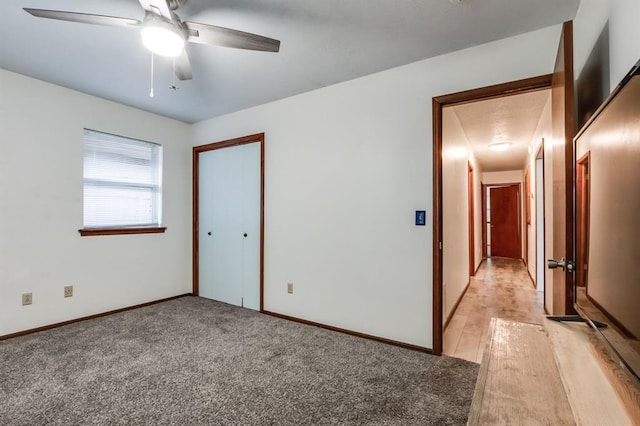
{"type": "Point", "coordinates": [196, 361]}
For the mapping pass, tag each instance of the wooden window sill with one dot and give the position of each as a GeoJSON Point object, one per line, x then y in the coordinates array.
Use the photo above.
{"type": "Point", "coordinates": [90, 232]}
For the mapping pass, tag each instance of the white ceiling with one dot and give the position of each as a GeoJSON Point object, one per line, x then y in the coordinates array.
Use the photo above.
{"type": "Point", "coordinates": [322, 42]}
{"type": "Point", "coordinates": [512, 119]}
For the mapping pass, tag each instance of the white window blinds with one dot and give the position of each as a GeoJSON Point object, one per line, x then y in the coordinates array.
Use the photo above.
{"type": "Point", "coordinates": [122, 181]}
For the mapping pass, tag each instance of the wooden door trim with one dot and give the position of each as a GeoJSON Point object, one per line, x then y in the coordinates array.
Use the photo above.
{"type": "Point", "coordinates": [197, 150]}
{"type": "Point", "coordinates": [438, 103]}
{"type": "Point", "coordinates": [563, 81]}
{"type": "Point", "coordinates": [569, 159]}
{"type": "Point", "coordinates": [483, 201]}
{"type": "Point", "coordinates": [582, 232]}
{"type": "Point", "coordinates": [485, 186]}
{"type": "Point", "coordinates": [540, 155]}
{"type": "Point", "coordinates": [471, 214]}
{"type": "Point", "coordinates": [526, 194]}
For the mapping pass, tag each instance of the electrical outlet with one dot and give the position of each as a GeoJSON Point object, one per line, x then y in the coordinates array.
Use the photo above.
{"type": "Point", "coordinates": [68, 291]}
{"type": "Point", "coordinates": [290, 288]}
{"type": "Point", "coordinates": [27, 299]}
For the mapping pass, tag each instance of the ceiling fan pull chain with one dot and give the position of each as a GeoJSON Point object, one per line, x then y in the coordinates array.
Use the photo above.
{"type": "Point", "coordinates": [151, 92]}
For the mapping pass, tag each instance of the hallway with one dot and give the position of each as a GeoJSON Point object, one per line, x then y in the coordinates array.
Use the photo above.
{"type": "Point", "coordinates": [501, 288]}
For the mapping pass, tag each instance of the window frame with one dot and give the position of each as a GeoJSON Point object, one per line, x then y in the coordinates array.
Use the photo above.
{"type": "Point", "coordinates": [122, 229]}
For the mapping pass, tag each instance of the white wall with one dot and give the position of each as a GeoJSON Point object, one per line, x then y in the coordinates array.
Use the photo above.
{"type": "Point", "coordinates": [346, 167]}
{"type": "Point", "coordinates": [624, 20]}
{"type": "Point", "coordinates": [456, 155]}
{"type": "Point", "coordinates": [41, 251]}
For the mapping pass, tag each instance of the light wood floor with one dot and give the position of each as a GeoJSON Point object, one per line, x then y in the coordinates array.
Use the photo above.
{"type": "Point", "coordinates": [501, 288]}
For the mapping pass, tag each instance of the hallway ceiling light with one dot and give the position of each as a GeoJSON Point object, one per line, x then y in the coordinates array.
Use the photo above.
{"type": "Point", "coordinates": [500, 146]}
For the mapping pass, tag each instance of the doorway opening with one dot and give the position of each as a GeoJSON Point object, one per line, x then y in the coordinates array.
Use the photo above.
{"type": "Point", "coordinates": [441, 308]}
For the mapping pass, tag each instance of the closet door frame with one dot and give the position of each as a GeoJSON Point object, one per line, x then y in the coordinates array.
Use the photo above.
{"type": "Point", "coordinates": [197, 150]}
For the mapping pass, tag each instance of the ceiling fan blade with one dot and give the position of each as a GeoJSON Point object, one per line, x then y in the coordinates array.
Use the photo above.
{"type": "Point", "coordinates": [84, 18]}
{"type": "Point", "coordinates": [226, 37]}
{"type": "Point", "coordinates": [159, 7]}
{"type": "Point", "coordinates": [183, 67]}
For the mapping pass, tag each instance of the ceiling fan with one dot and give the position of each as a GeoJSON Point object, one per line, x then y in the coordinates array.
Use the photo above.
{"type": "Point", "coordinates": [165, 34]}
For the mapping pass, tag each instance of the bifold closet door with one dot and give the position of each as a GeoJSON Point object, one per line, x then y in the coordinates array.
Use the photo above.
{"type": "Point", "coordinates": [229, 225]}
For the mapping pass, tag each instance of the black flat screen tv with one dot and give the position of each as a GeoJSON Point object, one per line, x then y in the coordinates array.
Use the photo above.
{"type": "Point", "coordinates": [607, 150]}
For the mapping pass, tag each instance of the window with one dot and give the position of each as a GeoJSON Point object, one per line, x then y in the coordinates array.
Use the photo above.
{"type": "Point", "coordinates": [122, 185]}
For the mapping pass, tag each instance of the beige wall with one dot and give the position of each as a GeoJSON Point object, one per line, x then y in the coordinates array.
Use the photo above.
{"type": "Point", "coordinates": [542, 133]}
{"type": "Point", "coordinates": [456, 155]}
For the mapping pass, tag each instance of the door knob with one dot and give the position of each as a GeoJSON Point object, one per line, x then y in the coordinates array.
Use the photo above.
{"type": "Point", "coordinates": [562, 264]}
{"type": "Point", "coordinates": [209, 233]}
{"type": "Point", "coordinates": [245, 235]}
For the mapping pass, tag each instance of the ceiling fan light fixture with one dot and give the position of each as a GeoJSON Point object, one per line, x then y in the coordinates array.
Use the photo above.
{"type": "Point", "coordinates": [161, 37]}
{"type": "Point", "coordinates": [162, 41]}
{"type": "Point", "coordinates": [499, 146]}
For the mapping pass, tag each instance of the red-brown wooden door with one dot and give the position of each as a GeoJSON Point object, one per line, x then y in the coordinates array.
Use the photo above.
{"type": "Point", "coordinates": [505, 233]}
